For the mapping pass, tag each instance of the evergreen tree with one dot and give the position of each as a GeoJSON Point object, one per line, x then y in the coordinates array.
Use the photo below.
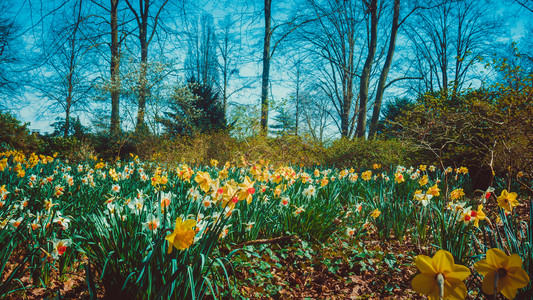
{"type": "Point", "coordinates": [391, 113]}
{"type": "Point", "coordinates": [285, 122]}
{"type": "Point", "coordinates": [195, 108]}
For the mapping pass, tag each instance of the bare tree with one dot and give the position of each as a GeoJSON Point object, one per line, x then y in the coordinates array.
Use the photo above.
{"type": "Point", "coordinates": [67, 68]}
{"type": "Point", "coordinates": [371, 8]}
{"type": "Point", "coordinates": [285, 29]}
{"type": "Point", "coordinates": [10, 81]}
{"type": "Point", "coordinates": [230, 52]}
{"type": "Point", "coordinates": [113, 57]}
{"type": "Point", "coordinates": [143, 17]}
{"type": "Point", "coordinates": [336, 42]}
{"type": "Point", "coordinates": [316, 114]}
{"type": "Point", "coordinates": [449, 39]}
{"type": "Point", "coordinates": [266, 65]}
{"type": "Point", "coordinates": [380, 89]}
{"type": "Point", "coordinates": [201, 61]}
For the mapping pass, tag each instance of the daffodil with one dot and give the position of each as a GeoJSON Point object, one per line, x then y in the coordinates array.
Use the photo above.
{"type": "Point", "coordinates": [223, 174]}
{"type": "Point", "coordinates": [398, 177]}
{"type": "Point", "coordinates": [503, 272]}
{"type": "Point", "coordinates": [367, 175]}
{"type": "Point", "coordinates": [183, 235]}
{"type": "Point", "coordinates": [204, 181]}
{"type": "Point", "coordinates": [246, 190]}
{"type": "Point", "coordinates": [434, 190]}
{"type": "Point", "coordinates": [309, 191]}
{"type": "Point", "coordinates": [457, 194]}
{"type": "Point", "coordinates": [440, 277]}
{"type": "Point", "coordinates": [507, 200]}
{"type": "Point", "coordinates": [59, 247]}
{"type": "Point", "coordinates": [478, 215]}
{"type": "Point", "coordinates": [375, 213]}
{"type": "Point", "coordinates": [423, 198]}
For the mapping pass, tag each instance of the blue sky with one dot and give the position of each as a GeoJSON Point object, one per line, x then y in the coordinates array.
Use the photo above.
{"type": "Point", "coordinates": [250, 30]}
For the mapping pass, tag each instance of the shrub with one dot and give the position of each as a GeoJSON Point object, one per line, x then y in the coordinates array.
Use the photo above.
{"type": "Point", "coordinates": [16, 136]}
{"type": "Point", "coordinates": [62, 146]}
{"type": "Point", "coordinates": [363, 153]}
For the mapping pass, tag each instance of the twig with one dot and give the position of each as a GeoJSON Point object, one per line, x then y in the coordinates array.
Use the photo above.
{"type": "Point", "coordinates": [268, 241]}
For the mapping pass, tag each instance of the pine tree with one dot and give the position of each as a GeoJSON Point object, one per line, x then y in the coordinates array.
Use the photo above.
{"type": "Point", "coordinates": [195, 108]}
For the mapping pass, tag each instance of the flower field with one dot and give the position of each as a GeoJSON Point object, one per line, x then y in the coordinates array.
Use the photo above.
{"type": "Point", "coordinates": [248, 229]}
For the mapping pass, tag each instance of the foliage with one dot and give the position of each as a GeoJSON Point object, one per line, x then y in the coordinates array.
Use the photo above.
{"type": "Point", "coordinates": [285, 122]}
{"type": "Point", "coordinates": [358, 153]}
{"type": "Point", "coordinates": [14, 135]}
{"type": "Point", "coordinates": [76, 129]}
{"type": "Point", "coordinates": [118, 215]}
{"type": "Point", "coordinates": [62, 146]}
{"type": "Point", "coordinates": [196, 108]}
{"type": "Point", "coordinates": [486, 128]}
{"type": "Point", "coordinates": [391, 114]}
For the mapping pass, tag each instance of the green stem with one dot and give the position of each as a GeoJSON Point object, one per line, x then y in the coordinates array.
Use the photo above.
{"type": "Point", "coordinates": [440, 282]}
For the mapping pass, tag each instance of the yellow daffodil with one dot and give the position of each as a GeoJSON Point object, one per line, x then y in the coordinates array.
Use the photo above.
{"type": "Point", "coordinates": [440, 268]}
{"type": "Point", "coordinates": [375, 213]}
{"type": "Point", "coordinates": [462, 170]}
{"type": "Point", "coordinates": [507, 200]}
{"type": "Point", "coordinates": [457, 194]}
{"type": "Point", "coordinates": [398, 177]}
{"type": "Point", "coordinates": [246, 190]}
{"type": "Point", "coordinates": [478, 215]}
{"type": "Point", "coordinates": [504, 272]}
{"type": "Point", "coordinates": [434, 190]}
{"type": "Point", "coordinates": [255, 170]}
{"type": "Point", "coordinates": [183, 235]}
{"type": "Point", "coordinates": [204, 181]}
{"type": "Point", "coordinates": [423, 181]}
{"type": "Point", "coordinates": [367, 175]}
{"type": "Point", "coordinates": [214, 163]}
{"type": "Point", "coordinates": [223, 174]}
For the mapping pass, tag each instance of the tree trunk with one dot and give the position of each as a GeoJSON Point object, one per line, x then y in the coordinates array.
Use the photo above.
{"type": "Point", "coordinates": [72, 66]}
{"type": "Point", "coordinates": [266, 69]}
{"type": "Point", "coordinates": [115, 65]}
{"type": "Point", "coordinates": [365, 74]}
{"type": "Point", "coordinates": [297, 114]}
{"type": "Point", "coordinates": [143, 89]}
{"type": "Point", "coordinates": [385, 71]}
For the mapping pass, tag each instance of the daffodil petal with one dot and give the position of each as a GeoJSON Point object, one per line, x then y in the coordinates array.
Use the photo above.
{"type": "Point", "coordinates": [454, 289]}
{"type": "Point", "coordinates": [188, 224]}
{"type": "Point", "coordinates": [482, 267]}
{"type": "Point", "coordinates": [459, 272]}
{"type": "Point", "coordinates": [423, 263]}
{"type": "Point", "coordinates": [178, 223]}
{"type": "Point", "coordinates": [443, 260]}
{"type": "Point", "coordinates": [515, 261]}
{"type": "Point", "coordinates": [488, 283]}
{"type": "Point", "coordinates": [497, 258]}
{"type": "Point", "coordinates": [424, 284]}
{"type": "Point", "coordinates": [518, 276]}
{"type": "Point", "coordinates": [507, 288]}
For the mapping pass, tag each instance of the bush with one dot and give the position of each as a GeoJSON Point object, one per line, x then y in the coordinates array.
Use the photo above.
{"type": "Point", "coordinates": [360, 153]}
{"type": "Point", "coordinates": [16, 136]}
{"type": "Point", "coordinates": [109, 147]}
{"type": "Point", "coordinates": [62, 146]}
